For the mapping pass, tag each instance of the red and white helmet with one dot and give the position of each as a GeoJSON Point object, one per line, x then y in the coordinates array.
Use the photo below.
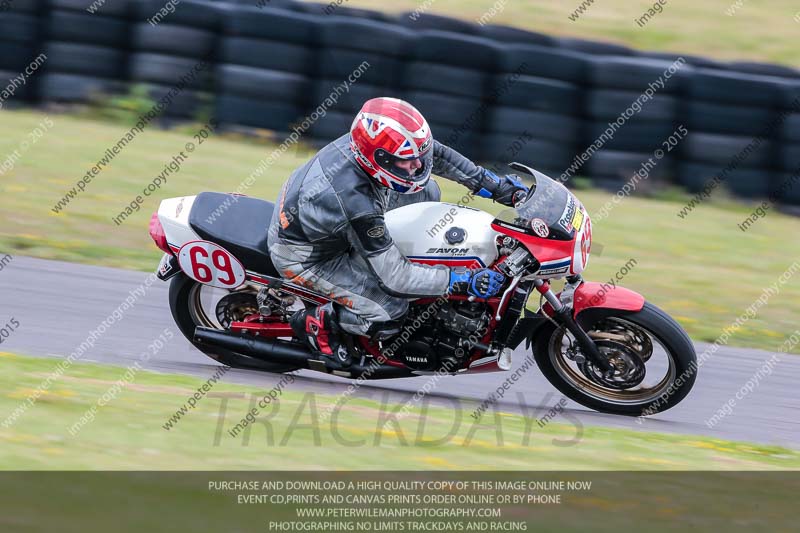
{"type": "Point", "coordinates": [388, 131]}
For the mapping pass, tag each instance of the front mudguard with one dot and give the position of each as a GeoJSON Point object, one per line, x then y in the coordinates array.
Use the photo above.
{"type": "Point", "coordinates": [594, 301]}
{"type": "Point", "coordinates": [591, 302]}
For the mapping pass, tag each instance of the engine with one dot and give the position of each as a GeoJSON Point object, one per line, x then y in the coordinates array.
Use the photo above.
{"type": "Point", "coordinates": [442, 336]}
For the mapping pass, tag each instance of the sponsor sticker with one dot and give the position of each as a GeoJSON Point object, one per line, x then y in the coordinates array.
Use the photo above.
{"type": "Point", "coordinates": [557, 266]}
{"type": "Point", "coordinates": [577, 220]}
{"type": "Point", "coordinates": [552, 271]}
{"type": "Point", "coordinates": [566, 217]}
{"type": "Point", "coordinates": [456, 252]}
{"type": "Point", "coordinates": [540, 227]}
{"type": "Point", "coordinates": [165, 266]}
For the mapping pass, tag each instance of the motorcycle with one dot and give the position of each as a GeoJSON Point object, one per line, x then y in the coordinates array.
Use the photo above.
{"type": "Point", "coordinates": [604, 347]}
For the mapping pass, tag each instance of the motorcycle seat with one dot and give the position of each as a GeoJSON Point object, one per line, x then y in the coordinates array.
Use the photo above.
{"type": "Point", "coordinates": [241, 228]}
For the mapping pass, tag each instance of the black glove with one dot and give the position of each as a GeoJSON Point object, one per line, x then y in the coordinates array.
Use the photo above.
{"type": "Point", "coordinates": [507, 190]}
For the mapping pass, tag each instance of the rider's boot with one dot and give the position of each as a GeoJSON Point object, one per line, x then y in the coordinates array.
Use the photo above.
{"type": "Point", "coordinates": [319, 329]}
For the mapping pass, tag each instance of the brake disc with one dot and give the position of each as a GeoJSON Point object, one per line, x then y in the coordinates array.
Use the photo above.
{"type": "Point", "coordinates": [235, 307]}
{"type": "Point", "coordinates": [628, 368]}
{"type": "Point", "coordinates": [634, 337]}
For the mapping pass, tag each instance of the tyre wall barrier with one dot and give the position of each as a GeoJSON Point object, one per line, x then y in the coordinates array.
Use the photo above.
{"type": "Point", "coordinates": [495, 93]}
{"type": "Point", "coordinates": [631, 109]}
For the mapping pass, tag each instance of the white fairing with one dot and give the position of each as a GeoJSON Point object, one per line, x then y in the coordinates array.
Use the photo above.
{"type": "Point", "coordinates": [420, 230]}
{"type": "Point", "coordinates": [173, 213]}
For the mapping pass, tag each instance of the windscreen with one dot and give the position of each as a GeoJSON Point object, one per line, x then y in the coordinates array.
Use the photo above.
{"type": "Point", "coordinates": [547, 200]}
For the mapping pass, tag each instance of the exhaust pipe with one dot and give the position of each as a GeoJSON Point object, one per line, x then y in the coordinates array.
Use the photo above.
{"type": "Point", "coordinates": [291, 353]}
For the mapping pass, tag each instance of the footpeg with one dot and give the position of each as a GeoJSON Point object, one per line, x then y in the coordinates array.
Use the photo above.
{"type": "Point", "coordinates": [504, 360]}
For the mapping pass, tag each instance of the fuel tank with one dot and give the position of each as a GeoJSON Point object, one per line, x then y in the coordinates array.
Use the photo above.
{"type": "Point", "coordinates": [442, 233]}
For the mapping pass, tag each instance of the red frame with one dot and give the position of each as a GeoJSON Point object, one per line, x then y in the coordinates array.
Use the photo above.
{"type": "Point", "coordinates": [271, 327]}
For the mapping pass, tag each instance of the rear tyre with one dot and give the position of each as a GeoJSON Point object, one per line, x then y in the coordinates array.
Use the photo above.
{"type": "Point", "coordinates": [651, 327]}
{"type": "Point", "coordinates": [183, 302]}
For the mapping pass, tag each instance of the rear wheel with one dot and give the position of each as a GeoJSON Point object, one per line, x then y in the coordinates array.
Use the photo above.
{"type": "Point", "coordinates": [194, 304]}
{"type": "Point", "coordinates": [652, 356]}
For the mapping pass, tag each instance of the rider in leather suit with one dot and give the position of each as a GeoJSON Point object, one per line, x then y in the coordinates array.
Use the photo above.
{"type": "Point", "coordinates": [328, 232]}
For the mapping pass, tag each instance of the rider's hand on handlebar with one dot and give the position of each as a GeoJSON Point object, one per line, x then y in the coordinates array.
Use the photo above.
{"type": "Point", "coordinates": [518, 196]}
{"type": "Point", "coordinates": [507, 190]}
{"type": "Point", "coordinates": [483, 283]}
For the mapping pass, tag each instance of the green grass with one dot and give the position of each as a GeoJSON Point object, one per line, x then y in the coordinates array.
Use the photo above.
{"type": "Point", "coordinates": [703, 270]}
{"type": "Point", "coordinates": [759, 31]}
{"type": "Point", "coordinates": [127, 433]}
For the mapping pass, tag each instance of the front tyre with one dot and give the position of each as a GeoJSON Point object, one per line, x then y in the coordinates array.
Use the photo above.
{"type": "Point", "coordinates": [654, 362]}
{"type": "Point", "coordinates": [186, 301]}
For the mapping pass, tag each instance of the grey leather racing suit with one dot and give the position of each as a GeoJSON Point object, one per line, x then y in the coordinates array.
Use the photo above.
{"type": "Point", "coordinates": [328, 234]}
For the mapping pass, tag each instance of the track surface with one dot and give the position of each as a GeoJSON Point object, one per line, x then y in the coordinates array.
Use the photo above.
{"type": "Point", "coordinates": [57, 304]}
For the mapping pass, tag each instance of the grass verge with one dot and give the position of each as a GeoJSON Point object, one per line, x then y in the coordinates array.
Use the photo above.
{"type": "Point", "coordinates": [127, 433]}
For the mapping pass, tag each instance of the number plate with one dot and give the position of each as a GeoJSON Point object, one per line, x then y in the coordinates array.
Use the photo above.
{"type": "Point", "coordinates": [211, 264]}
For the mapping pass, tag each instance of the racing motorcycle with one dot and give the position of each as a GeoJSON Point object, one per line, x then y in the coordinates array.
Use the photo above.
{"type": "Point", "coordinates": [604, 347]}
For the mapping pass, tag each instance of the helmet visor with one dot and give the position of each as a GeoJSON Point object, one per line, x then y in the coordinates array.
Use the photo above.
{"type": "Point", "coordinates": [411, 169]}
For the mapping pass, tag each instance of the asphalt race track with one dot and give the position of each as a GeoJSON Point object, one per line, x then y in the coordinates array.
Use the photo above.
{"type": "Point", "coordinates": [58, 303]}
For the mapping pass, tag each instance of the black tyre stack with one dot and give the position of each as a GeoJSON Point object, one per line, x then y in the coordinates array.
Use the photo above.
{"type": "Point", "coordinates": [372, 55]}
{"type": "Point", "coordinates": [692, 61]}
{"type": "Point", "coordinates": [267, 61]}
{"type": "Point", "coordinates": [86, 51]}
{"type": "Point", "coordinates": [536, 102]}
{"type": "Point", "coordinates": [19, 45]}
{"type": "Point", "coordinates": [419, 21]}
{"type": "Point", "coordinates": [787, 184]}
{"type": "Point", "coordinates": [765, 69]}
{"type": "Point", "coordinates": [593, 48]}
{"type": "Point", "coordinates": [447, 77]}
{"type": "Point", "coordinates": [507, 35]}
{"type": "Point", "coordinates": [168, 47]}
{"type": "Point", "coordinates": [733, 127]}
{"type": "Point", "coordinates": [493, 92]}
{"type": "Point", "coordinates": [619, 86]}
{"type": "Point", "coordinates": [332, 8]}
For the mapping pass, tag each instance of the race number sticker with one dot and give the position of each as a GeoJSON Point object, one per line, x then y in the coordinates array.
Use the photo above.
{"type": "Point", "coordinates": [586, 243]}
{"type": "Point", "coordinates": [211, 264]}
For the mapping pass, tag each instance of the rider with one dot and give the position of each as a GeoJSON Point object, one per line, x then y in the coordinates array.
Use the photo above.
{"type": "Point", "coordinates": [328, 233]}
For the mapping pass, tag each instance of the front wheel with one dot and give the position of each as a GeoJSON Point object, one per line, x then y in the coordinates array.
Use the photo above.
{"type": "Point", "coordinates": [194, 304]}
{"type": "Point", "coordinates": [654, 362]}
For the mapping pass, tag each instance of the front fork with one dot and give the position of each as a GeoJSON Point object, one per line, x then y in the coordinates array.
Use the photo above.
{"type": "Point", "coordinates": [563, 314]}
